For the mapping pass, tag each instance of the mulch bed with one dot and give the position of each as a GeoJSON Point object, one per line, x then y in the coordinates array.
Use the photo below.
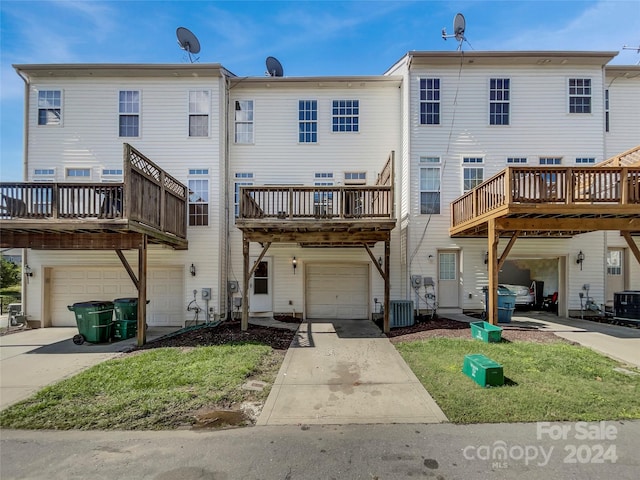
{"type": "Point", "coordinates": [227, 332]}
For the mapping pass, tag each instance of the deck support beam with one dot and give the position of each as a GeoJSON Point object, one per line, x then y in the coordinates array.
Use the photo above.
{"type": "Point", "coordinates": [142, 292]}
{"type": "Point", "coordinates": [507, 249]}
{"type": "Point", "coordinates": [387, 286]}
{"type": "Point", "coordinates": [632, 245]}
{"type": "Point", "coordinates": [127, 267]}
{"type": "Point", "coordinates": [492, 294]}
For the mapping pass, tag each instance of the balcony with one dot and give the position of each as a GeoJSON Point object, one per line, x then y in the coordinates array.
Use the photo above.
{"type": "Point", "coordinates": [551, 201]}
{"type": "Point", "coordinates": [319, 215]}
{"type": "Point", "coordinates": [97, 215]}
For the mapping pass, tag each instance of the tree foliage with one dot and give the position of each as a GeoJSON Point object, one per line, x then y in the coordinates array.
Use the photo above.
{"type": "Point", "coordinates": [9, 274]}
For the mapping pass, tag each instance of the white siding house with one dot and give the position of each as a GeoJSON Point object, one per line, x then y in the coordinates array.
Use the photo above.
{"type": "Point", "coordinates": [452, 120]}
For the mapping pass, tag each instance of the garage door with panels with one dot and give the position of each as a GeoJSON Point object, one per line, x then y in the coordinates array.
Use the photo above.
{"type": "Point", "coordinates": [336, 291]}
{"type": "Point", "coordinates": [72, 285]}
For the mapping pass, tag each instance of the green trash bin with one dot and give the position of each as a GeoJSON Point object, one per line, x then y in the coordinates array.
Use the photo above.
{"type": "Point", "coordinates": [506, 303]}
{"type": "Point", "coordinates": [94, 320]}
{"type": "Point", "coordinates": [126, 324]}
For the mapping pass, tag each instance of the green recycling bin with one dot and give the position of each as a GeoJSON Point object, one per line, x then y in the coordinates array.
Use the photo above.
{"type": "Point", "coordinates": [126, 324]}
{"type": "Point", "coordinates": [94, 320]}
{"type": "Point", "coordinates": [506, 303]}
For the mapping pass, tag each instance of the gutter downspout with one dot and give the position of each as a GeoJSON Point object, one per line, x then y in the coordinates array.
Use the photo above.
{"type": "Point", "coordinates": [25, 176]}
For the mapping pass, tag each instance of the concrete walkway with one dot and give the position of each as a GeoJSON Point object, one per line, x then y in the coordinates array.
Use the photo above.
{"type": "Point", "coordinates": [346, 372]}
{"type": "Point", "coordinates": [33, 359]}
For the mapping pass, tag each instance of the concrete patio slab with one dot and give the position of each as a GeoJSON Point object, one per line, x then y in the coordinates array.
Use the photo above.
{"type": "Point", "coordinates": [346, 372]}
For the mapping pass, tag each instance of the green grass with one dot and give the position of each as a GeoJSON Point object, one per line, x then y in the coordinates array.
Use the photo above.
{"type": "Point", "coordinates": [153, 389]}
{"type": "Point", "coordinates": [550, 382]}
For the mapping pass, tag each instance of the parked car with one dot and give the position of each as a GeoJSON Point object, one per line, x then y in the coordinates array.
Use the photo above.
{"type": "Point", "coordinates": [525, 296]}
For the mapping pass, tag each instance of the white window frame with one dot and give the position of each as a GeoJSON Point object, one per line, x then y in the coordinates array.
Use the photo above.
{"type": "Point", "coordinates": [68, 176]}
{"type": "Point", "coordinates": [497, 96]}
{"type": "Point", "coordinates": [244, 115]}
{"type": "Point", "coordinates": [517, 160]}
{"type": "Point", "coordinates": [578, 91]}
{"type": "Point", "coordinates": [550, 161]}
{"type": "Point", "coordinates": [429, 96]}
{"type": "Point", "coordinates": [44, 175]}
{"type": "Point", "coordinates": [307, 121]}
{"type": "Point", "coordinates": [50, 105]}
{"type": "Point", "coordinates": [129, 109]}
{"type": "Point", "coordinates": [427, 164]}
{"type": "Point", "coordinates": [614, 265]}
{"type": "Point", "coordinates": [199, 108]}
{"type": "Point", "coordinates": [199, 177]}
{"type": "Point", "coordinates": [242, 179]}
{"type": "Point", "coordinates": [585, 160]}
{"type": "Point", "coordinates": [470, 164]}
{"type": "Point", "coordinates": [355, 178]}
{"type": "Point", "coordinates": [323, 201]}
{"type": "Point", "coordinates": [112, 175]}
{"type": "Point", "coordinates": [345, 116]}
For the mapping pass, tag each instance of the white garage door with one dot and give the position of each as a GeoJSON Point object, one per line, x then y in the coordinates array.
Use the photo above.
{"type": "Point", "coordinates": [337, 291]}
{"type": "Point", "coordinates": [71, 285]}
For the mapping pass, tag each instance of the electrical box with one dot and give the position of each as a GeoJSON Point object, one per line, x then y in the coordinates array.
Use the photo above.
{"type": "Point", "coordinates": [232, 286]}
{"type": "Point", "coordinates": [237, 302]}
{"type": "Point", "coordinates": [416, 281]}
{"type": "Point", "coordinates": [206, 294]}
{"type": "Point", "coordinates": [428, 282]}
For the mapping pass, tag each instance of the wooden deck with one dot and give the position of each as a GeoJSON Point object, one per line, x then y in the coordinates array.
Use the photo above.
{"type": "Point", "coordinates": [551, 201]}
{"type": "Point", "coordinates": [97, 215]}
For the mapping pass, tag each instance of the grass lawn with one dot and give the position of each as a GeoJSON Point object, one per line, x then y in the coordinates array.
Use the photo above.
{"type": "Point", "coordinates": [543, 382]}
{"type": "Point", "coordinates": [153, 389]}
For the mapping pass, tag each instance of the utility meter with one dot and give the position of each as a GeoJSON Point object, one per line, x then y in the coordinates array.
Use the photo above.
{"type": "Point", "coordinates": [206, 294]}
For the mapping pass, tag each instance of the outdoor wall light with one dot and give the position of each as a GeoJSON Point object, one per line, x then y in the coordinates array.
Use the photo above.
{"type": "Point", "coordinates": [580, 259]}
{"type": "Point", "coordinates": [27, 271]}
{"type": "Point", "coordinates": [380, 261]}
{"type": "Point", "coordinates": [294, 264]}
{"type": "Point", "coordinates": [486, 258]}
{"type": "Point", "coordinates": [192, 270]}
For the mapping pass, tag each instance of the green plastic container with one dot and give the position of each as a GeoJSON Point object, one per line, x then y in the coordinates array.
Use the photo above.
{"type": "Point", "coordinates": [482, 370]}
{"type": "Point", "coordinates": [123, 329]}
{"type": "Point", "coordinates": [94, 320]}
{"type": "Point", "coordinates": [126, 308]}
{"type": "Point", "coordinates": [486, 332]}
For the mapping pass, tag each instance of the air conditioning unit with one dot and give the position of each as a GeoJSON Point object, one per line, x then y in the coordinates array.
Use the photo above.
{"type": "Point", "coordinates": [401, 313]}
{"type": "Point", "coordinates": [626, 306]}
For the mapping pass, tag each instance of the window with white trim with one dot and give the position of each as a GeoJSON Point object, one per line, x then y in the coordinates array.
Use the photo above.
{"type": "Point", "coordinates": [129, 113]}
{"type": "Point", "coordinates": [345, 116]}
{"type": "Point", "coordinates": [308, 121]}
{"type": "Point", "coordinates": [614, 262]}
{"type": "Point", "coordinates": [78, 173]}
{"type": "Point", "coordinates": [322, 199]}
{"type": "Point", "coordinates": [112, 175]}
{"type": "Point", "coordinates": [585, 161]}
{"type": "Point", "coordinates": [499, 100]}
{"type": "Point", "coordinates": [429, 101]}
{"type": "Point", "coordinates": [44, 174]}
{"type": "Point", "coordinates": [355, 178]}
{"type": "Point", "coordinates": [198, 197]}
{"type": "Point", "coordinates": [199, 107]}
{"type": "Point", "coordinates": [579, 95]}
{"type": "Point", "coordinates": [243, 121]}
{"type": "Point", "coordinates": [472, 175]}
{"type": "Point", "coordinates": [516, 160]}
{"type": "Point", "coordinates": [429, 185]}
{"type": "Point", "coordinates": [49, 107]}
{"type": "Point", "coordinates": [242, 179]}
{"type": "Point", "coordinates": [550, 160]}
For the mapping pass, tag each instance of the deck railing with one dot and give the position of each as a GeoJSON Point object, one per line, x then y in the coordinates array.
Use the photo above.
{"type": "Point", "coordinates": [147, 195]}
{"type": "Point", "coordinates": [289, 203]}
{"type": "Point", "coordinates": [556, 185]}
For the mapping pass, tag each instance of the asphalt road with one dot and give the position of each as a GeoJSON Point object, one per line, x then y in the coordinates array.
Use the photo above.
{"type": "Point", "coordinates": [438, 451]}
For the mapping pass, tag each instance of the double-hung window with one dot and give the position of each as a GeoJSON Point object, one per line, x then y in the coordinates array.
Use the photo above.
{"type": "Point", "coordinates": [198, 197]}
{"type": "Point", "coordinates": [345, 116]}
{"type": "Point", "coordinates": [429, 185]}
{"type": "Point", "coordinates": [244, 121]}
{"type": "Point", "coordinates": [199, 106]}
{"type": "Point", "coordinates": [579, 95]}
{"type": "Point", "coordinates": [499, 98]}
{"type": "Point", "coordinates": [472, 172]}
{"type": "Point", "coordinates": [429, 101]}
{"type": "Point", "coordinates": [49, 107]}
{"type": "Point", "coordinates": [308, 121]}
{"type": "Point", "coordinates": [129, 113]}
{"type": "Point", "coordinates": [242, 179]}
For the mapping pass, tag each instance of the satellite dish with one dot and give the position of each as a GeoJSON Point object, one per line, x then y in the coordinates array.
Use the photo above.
{"type": "Point", "coordinates": [274, 67]}
{"type": "Point", "coordinates": [459, 26]}
{"type": "Point", "coordinates": [188, 42]}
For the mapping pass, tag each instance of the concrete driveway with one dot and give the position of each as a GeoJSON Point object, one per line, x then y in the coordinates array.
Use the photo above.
{"type": "Point", "coordinates": [33, 359]}
{"type": "Point", "coordinates": [346, 372]}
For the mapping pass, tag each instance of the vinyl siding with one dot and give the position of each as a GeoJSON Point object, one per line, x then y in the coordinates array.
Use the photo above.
{"type": "Point", "coordinates": [624, 114]}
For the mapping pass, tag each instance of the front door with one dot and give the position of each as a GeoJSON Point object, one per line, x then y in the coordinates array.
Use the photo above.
{"type": "Point", "coordinates": [260, 287]}
{"type": "Point", "coordinates": [615, 273]}
{"type": "Point", "coordinates": [448, 283]}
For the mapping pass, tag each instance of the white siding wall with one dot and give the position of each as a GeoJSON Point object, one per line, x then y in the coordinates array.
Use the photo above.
{"type": "Point", "coordinates": [88, 138]}
{"type": "Point", "coordinates": [276, 157]}
{"type": "Point", "coordinates": [624, 113]}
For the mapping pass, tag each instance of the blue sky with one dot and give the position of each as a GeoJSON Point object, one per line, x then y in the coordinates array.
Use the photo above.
{"type": "Point", "coordinates": [308, 37]}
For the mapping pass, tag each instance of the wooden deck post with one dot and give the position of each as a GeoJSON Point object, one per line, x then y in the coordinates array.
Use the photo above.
{"type": "Point", "coordinates": [244, 323]}
{"type": "Point", "coordinates": [632, 245]}
{"type": "Point", "coordinates": [492, 295]}
{"type": "Point", "coordinates": [387, 287]}
{"type": "Point", "coordinates": [142, 291]}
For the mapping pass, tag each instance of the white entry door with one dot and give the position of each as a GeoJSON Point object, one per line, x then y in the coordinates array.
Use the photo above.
{"type": "Point", "coordinates": [448, 283]}
{"type": "Point", "coordinates": [615, 272]}
{"type": "Point", "coordinates": [260, 287]}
